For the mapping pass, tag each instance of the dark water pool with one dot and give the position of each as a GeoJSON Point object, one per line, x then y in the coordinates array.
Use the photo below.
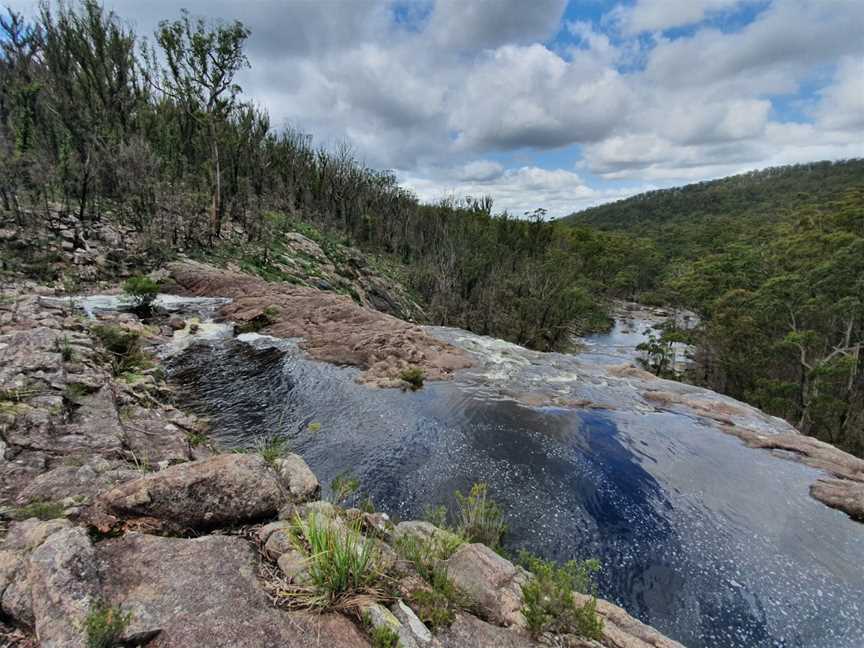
{"type": "Point", "coordinates": [714, 544]}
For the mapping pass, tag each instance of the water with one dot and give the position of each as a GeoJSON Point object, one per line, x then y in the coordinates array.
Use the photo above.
{"type": "Point", "coordinates": [714, 544]}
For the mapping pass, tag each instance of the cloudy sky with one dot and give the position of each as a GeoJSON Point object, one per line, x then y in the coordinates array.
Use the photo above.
{"type": "Point", "coordinates": [550, 103]}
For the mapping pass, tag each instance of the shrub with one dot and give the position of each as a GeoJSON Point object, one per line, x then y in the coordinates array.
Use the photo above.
{"type": "Point", "coordinates": [342, 563]}
{"type": "Point", "coordinates": [343, 486]}
{"type": "Point", "coordinates": [549, 605]}
{"type": "Point", "coordinates": [142, 291]}
{"type": "Point", "coordinates": [104, 626]}
{"type": "Point", "coordinates": [436, 605]}
{"type": "Point", "coordinates": [414, 377]}
{"type": "Point", "coordinates": [479, 518]}
{"type": "Point", "coordinates": [123, 347]}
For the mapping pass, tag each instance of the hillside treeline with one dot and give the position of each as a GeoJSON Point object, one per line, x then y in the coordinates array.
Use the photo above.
{"type": "Point", "coordinates": [774, 264]}
{"type": "Point", "coordinates": [156, 133]}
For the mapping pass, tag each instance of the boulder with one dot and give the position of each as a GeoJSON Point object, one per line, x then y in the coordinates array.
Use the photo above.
{"type": "Point", "coordinates": [64, 584]}
{"type": "Point", "coordinates": [842, 494]}
{"type": "Point", "coordinates": [298, 478]}
{"type": "Point", "coordinates": [468, 630]}
{"type": "Point", "coordinates": [220, 491]}
{"type": "Point", "coordinates": [204, 592]}
{"type": "Point", "coordinates": [621, 630]}
{"type": "Point", "coordinates": [492, 583]}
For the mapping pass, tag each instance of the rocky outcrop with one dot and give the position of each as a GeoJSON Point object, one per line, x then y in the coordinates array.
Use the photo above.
{"type": "Point", "coordinates": [332, 327]}
{"type": "Point", "coordinates": [468, 630]}
{"type": "Point", "coordinates": [221, 491]}
{"type": "Point", "coordinates": [841, 494]}
{"type": "Point", "coordinates": [204, 592]}
{"type": "Point", "coordinates": [492, 583]}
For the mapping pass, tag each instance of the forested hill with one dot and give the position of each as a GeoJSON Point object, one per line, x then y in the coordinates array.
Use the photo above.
{"type": "Point", "coordinates": [684, 220]}
{"type": "Point", "coordinates": [773, 262]}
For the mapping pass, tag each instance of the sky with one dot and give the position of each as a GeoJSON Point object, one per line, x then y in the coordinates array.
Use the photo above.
{"type": "Point", "coordinates": [548, 103]}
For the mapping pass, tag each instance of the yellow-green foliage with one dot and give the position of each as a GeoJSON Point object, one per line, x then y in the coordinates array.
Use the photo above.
{"type": "Point", "coordinates": [104, 626]}
{"type": "Point", "coordinates": [549, 605]}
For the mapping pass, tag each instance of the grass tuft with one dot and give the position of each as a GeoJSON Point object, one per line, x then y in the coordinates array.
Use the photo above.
{"type": "Point", "coordinates": [41, 510]}
{"type": "Point", "coordinates": [413, 377]}
{"type": "Point", "coordinates": [479, 518]}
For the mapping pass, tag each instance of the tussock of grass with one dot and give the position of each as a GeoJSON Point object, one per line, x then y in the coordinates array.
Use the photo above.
{"type": "Point", "coordinates": [479, 518]}
{"type": "Point", "coordinates": [414, 377]}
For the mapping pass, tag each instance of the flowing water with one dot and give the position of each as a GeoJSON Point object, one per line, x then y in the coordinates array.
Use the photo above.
{"type": "Point", "coordinates": [715, 544]}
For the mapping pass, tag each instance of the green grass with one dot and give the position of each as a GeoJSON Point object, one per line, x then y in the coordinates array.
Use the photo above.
{"type": "Point", "coordinates": [414, 377]}
{"type": "Point", "coordinates": [342, 563]}
{"type": "Point", "coordinates": [64, 347]}
{"type": "Point", "coordinates": [272, 448]}
{"type": "Point", "coordinates": [123, 348]}
{"type": "Point", "coordinates": [41, 510]}
{"type": "Point", "coordinates": [104, 626]}
{"type": "Point", "coordinates": [479, 518]}
{"type": "Point", "coordinates": [549, 605]}
{"type": "Point", "coordinates": [196, 438]}
{"type": "Point", "coordinates": [382, 636]}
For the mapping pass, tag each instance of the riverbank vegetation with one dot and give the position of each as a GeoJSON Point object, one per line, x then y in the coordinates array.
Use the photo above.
{"type": "Point", "coordinates": [773, 263]}
{"type": "Point", "coordinates": [156, 134]}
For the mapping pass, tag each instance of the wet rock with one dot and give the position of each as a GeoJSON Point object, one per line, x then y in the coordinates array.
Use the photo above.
{"type": "Point", "coordinates": [176, 323]}
{"type": "Point", "coordinates": [468, 630]}
{"type": "Point", "coordinates": [224, 490]}
{"type": "Point", "coordinates": [297, 476]}
{"type": "Point", "coordinates": [64, 583]}
{"type": "Point", "coordinates": [204, 592]}
{"type": "Point", "coordinates": [491, 582]}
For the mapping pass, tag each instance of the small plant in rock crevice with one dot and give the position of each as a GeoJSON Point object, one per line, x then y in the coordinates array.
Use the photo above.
{"type": "Point", "coordinates": [414, 377]}
{"type": "Point", "coordinates": [123, 347]}
{"type": "Point", "coordinates": [382, 636]}
{"type": "Point", "coordinates": [64, 347]}
{"type": "Point", "coordinates": [549, 604]}
{"type": "Point", "coordinates": [343, 486]}
{"type": "Point", "coordinates": [104, 626]}
{"type": "Point", "coordinates": [272, 448]}
{"type": "Point", "coordinates": [40, 510]}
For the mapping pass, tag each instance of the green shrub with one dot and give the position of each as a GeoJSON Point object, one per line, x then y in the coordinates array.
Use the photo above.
{"type": "Point", "coordinates": [549, 605]}
{"type": "Point", "coordinates": [124, 348]}
{"type": "Point", "coordinates": [142, 291]}
{"type": "Point", "coordinates": [196, 438]}
{"type": "Point", "coordinates": [436, 605]}
{"type": "Point", "coordinates": [104, 626]}
{"type": "Point", "coordinates": [343, 486]}
{"type": "Point", "coordinates": [382, 636]}
{"type": "Point", "coordinates": [479, 518]}
{"type": "Point", "coordinates": [414, 377]}
{"type": "Point", "coordinates": [341, 563]}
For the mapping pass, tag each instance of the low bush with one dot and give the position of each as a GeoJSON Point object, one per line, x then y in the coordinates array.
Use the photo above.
{"type": "Point", "coordinates": [549, 605]}
{"type": "Point", "coordinates": [479, 518]}
{"type": "Point", "coordinates": [436, 605]}
{"type": "Point", "coordinates": [414, 377]}
{"type": "Point", "coordinates": [123, 346]}
{"type": "Point", "coordinates": [104, 626]}
{"type": "Point", "coordinates": [142, 292]}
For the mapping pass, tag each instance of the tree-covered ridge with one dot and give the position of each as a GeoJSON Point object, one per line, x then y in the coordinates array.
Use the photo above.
{"type": "Point", "coordinates": [156, 134]}
{"type": "Point", "coordinates": [773, 262]}
{"type": "Point", "coordinates": [687, 220]}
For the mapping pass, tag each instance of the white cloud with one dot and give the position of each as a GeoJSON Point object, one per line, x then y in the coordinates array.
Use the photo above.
{"type": "Point", "coordinates": [657, 15]}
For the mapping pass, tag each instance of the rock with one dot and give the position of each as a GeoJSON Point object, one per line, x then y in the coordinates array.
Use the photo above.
{"type": "Point", "coordinates": [423, 531]}
{"type": "Point", "coordinates": [842, 494]}
{"type": "Point", "coordinates": [64, 583]}
{"type": "Point", "coordinates": [623, 631]}
{"type": "Point", "coordinates": [333, 328]}
{"type": "Point", "coordinates": [29, 534]}
{"type": "Point", "coordinates": [413, 631]}
{"type": "Point", "coordinates": [297, 476]}
{"type": "Point", "coordinates": [491, 582]}
{"type": "Point", "coordinates": [224, 490]}
{"type": "Point", "coordinates": [176, 323]}
{"type": "Point", "coordinates": [204, 592]}
{"type": "Point", "coordinates": [279, 542]}
{"type": "Point", "coordinates": [265, 531]}
{"type": "Point", "coordinates": [379, 616]}
{"type": "Point", "coordinates": [294, 565]}
{"type": "Point", "coordinates": [468, 630]}
{"type": "Point", "coordinates": [378, 524]}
